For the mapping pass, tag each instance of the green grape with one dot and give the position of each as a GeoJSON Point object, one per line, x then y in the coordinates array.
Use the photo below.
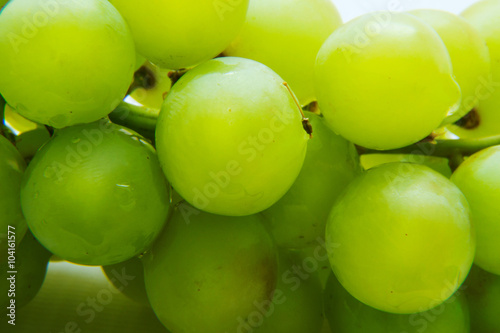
{"type": "Point", "coordinates": [12, 167]}
{"type": "Point", "coordinates": [181, 34]}
{"type": "Point", "coordinates": [484, 120]}
{"type": "Point", "coordinates": [317, 256]}
{"type": "Point", "coordinates": [230, 138]}
{"type": "Point", "coordinates": [482, 291]}
{"type": "Point", "coordinates": [64, 62]}
{"type": "Point", "coordinates": [296, 306]}
{"type": "Point", "coordinates": [95, 194]}
{"type": "Point", "coordinates": [153, 95]}
{"type": "Point", "coordinates": [439, 164]}
{"type": "Point", "coordinates": [30, 136]}
{"type": "Point", "coordinates": [326, 327]}
{"type": "Point", "coordinates": [286, 35]}
{"type": "Point", "coordinates": [479, 180]}
{"type": "Point", "coordinates": [31, 261]}
{"type": "Point", "coordinates": [299, 218]}
{"type": "Point", "coordinates": [348, 315]}
{"type": "Point", "coordinates": [139, 61]}
{"type": "Point", "coordinates": [400, 239]}
{"type": "Point", "coordinates": [134, 270]}
{"type": "Point", "coordinates": [209, 273]}
{"type": "Point", "coordinates": [384, 80]}
{"type": "Point", "coordinates": [468, 52]}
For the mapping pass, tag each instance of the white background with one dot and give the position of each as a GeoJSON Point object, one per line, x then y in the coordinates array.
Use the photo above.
{"type": "Point", "coordinates": [349, 9]}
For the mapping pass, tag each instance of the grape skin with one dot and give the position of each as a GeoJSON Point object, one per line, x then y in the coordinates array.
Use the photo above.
{"type": "Point", "coordinates": [64, 62]}
{"type": "Point", "coordinates": [468, 52]}
{"type": "Point", "coordinates": [31, 265]}
{"type": "Point", "coordinates": [407, 228]}
{"type": "Point", "coordinates": [206, 273]}
{"type": "Point", "coordinates": [95, 194]}
{"type": "Point", "coordinates": [479, 179]}
{"type": "Point", "coordinates": [299, 218]}
{"type": "Point", "coordinates": [348, 315]}
{"type": "Point", "coordinates": [135, 288]}
{"type": "Point", "coordinates": [286, 35]}
{"type": "Point", "coordinates": [384, 80]}
{"type": "Point", "coordinates": [181, 34]}
{"type": "Point", "coordinates": [482, 291]}
{"type": "Point", "coordinates": [12, 167]}
{"type": "Point", "coordinates": [296, 293]}
{"type": "Point", "coordinates": [230, 138]}
{"type": "Point", "coordinates": [485, 17]}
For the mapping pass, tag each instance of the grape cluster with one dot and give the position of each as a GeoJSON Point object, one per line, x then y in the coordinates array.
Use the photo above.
{"type": "Point", "coordinates": [259, 165]}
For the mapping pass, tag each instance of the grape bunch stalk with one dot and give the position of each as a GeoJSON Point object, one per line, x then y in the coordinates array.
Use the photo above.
{"type": "Point", "coordinates": [254, 166]}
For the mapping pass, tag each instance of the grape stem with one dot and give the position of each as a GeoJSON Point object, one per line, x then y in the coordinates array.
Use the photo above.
{"type": "Point", "coordinates": [143, 78]}
{"type": "Point", "coordinates": [138, 118]}
{"type": "Point", "coordinates": [174, 76]}
{"type": "Point", "coordinates": [305, 121]}
{"type": "Point", "coordinates": [442, 148]}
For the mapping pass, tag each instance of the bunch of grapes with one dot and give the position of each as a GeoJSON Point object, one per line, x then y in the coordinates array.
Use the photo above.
{"type": "Point", "coordinates": [259, 165]}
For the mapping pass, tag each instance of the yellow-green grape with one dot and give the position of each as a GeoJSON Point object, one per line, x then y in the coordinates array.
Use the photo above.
{"type": "Point", "coordinates": [181, 34]}
{"type": "Point", "coordinates": [230, 138]}
{"type": "Point", "coordinates": [485, 119]}
{"type": "Point", "coordinates": [482, 291]}
{"type": "Point", "coordinates": [139, 61]}
{"type": "Point", "coordinates": [64, 62]}
{"type": "Point", "coordinates": [209, 273]}
{"type": "Point", "coordinates": [384, 80]}
{"type": "Point", "coordinates": [400, 239]}
{"type": "Point", "coordinates": [133, 286]}
{"type": "Point", "coordinates": [12, 167]}
{"type": "Point", "coordinates": [479, 180]}
{"type": "Point", "coordinates": [299, 218]}
{"type": "Point", "coordinates": [153, 95]}
{"type": "Point", "coordinates": [317, 257]}
{"type": "Point", "coordinates": [30, 136]}
{"type": "Point", "coordinates": [468, 52]}
{"type": "Point", "coordinates": [296, 306]}
{"type": "Point", "coordinates": [439, 164]}
{"type": "Point", "coordinates": [30, 263]}
{"type": "Point", "coordinates": [286, 35]}
{"type": "Point", "coordinates": [95, 194]}
{"type": "Point", "coordinates": [348, 315]}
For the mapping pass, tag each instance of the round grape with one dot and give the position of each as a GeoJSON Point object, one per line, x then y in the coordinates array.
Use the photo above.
{"type": "Point", "coordinates": [95, 194]}
{"type": "Point", "coordinates": [479, 179]}
{"type": "Point", "coordinates": [230, 138]}
{"type": "Point", "coordinates": [64, 62]}
{"type": "Point", "coordinates": [384, 80]}
{"type": "Point", "coordinates": [209, 273]}
{"type": "Point", "coordinates": [468, 52]}
{"type": "Point", "coordinates": [400, 239]}
{"type": "Point", "coordinates": [181, 34]}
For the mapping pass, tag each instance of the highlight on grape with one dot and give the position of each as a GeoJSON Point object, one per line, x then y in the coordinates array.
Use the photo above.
{"type": "Point", "coordinates": [249, 166]}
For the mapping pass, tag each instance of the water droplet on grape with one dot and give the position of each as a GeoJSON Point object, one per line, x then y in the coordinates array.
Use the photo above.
{"type": "Point", "coordinates": [75, 140]}
{"type": "Point", "coordinates": [124, 193]}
